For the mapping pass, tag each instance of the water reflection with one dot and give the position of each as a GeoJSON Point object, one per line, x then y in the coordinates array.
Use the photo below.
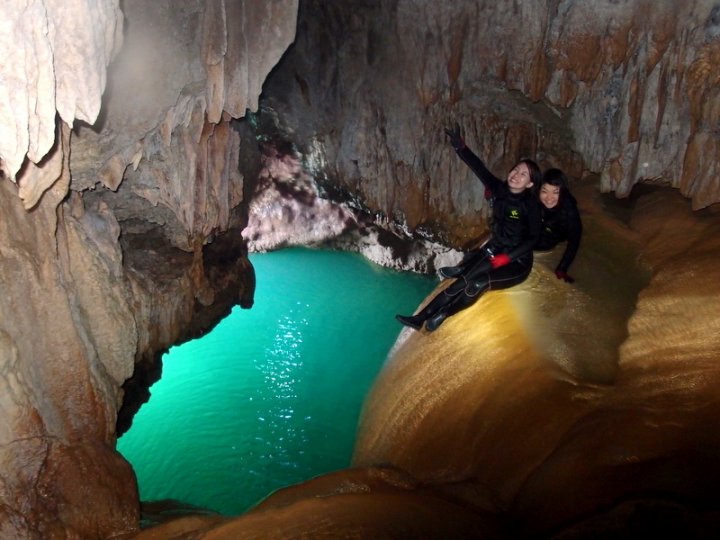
{"type": "Point", "coordinates": [261, 402]}
{"type": "Point", "coordinates": [282, 368]}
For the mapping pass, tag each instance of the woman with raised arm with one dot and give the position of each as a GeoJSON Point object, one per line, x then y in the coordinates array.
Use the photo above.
{"type": "Point", "coordinates": [507, 258]}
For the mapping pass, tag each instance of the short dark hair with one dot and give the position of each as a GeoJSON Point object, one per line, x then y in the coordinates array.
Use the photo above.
{"type": "Point", "coordinates": [555, 177]}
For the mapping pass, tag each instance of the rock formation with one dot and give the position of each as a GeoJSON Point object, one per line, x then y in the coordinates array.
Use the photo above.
{"type": "Point", "coordinates": [620, 89]}
{"type": "Point", "coordinates": [105, 262]}
{"type": "Point", "coordinates": [503, 416]}
{"type": "Point", "coordinates": [128, 160]}
{"type": "Point", "coordinates": [543, 411]}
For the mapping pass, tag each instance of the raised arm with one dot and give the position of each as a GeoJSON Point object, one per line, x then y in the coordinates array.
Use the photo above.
{"type": "Point", "coordinates": [489, 180]}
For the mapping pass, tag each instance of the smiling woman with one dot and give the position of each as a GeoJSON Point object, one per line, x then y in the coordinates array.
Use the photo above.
{"type": "Point", "coordinates": [271, 396]}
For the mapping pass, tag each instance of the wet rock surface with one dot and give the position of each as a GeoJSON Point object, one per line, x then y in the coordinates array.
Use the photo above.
{"type": "Point", "coordinates": [128, 163]}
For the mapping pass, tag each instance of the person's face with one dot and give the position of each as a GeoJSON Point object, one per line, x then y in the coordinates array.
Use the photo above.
{"type": "Point", "coordinates": [519, 178]}
{"type": "Point", "coordinates": [549, 195]}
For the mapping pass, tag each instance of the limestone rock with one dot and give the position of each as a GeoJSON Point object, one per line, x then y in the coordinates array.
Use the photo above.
{"type": "Point", "coordinates": [619, 89]}
{"type": "Point", "coordinates": [113, 241]}
{"type": "Point", "coordinates": [506, 424]}
{"type": "Point", "coordinates": [68, 344]}
{"type": "Point", "coordinates": [55, 62]}
{"type": "Point", "coordinates": [373, 502]}
{"type": "Point", "coordinates": [287, 208]}
{"type": "Point", "coordinates": [186, 71]}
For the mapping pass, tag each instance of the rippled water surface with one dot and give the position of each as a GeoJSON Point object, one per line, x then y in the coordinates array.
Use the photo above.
{"type": "Point", "coordinates": [271, 396]}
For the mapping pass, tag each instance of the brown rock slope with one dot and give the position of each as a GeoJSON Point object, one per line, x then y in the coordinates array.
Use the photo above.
{"type": "Point", "coordinates": [546, 410]}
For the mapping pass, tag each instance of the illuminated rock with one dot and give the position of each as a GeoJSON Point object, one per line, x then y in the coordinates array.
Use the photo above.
{"type": "Point", "coordinates": [104, 263]}
{"type": "Point", "coordinates": [55, 63]}
{"type": "Point", "coordinates": [113, 244]}
{"type": "Point", "coordinates": [606, 87]}
{"type": "Point", "coordinates": [506, 423]}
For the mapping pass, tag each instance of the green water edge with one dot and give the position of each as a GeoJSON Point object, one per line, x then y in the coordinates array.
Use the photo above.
{"type": "Point", "coordinates": [272, 396]}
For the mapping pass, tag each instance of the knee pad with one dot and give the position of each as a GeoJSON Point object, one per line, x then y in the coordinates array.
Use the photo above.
{"type": "Point", "coordinates": [455, 288]}
{"type": "Point", "coordinates": [474, 288]}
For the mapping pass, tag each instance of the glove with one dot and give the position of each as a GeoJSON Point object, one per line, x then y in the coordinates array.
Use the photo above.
{"type": "Point", "coordinates": [499, 260]}
{"type": "Point", "coordinates": [455, 138]}
{"type": "Point", "coordinates": [564, 276]}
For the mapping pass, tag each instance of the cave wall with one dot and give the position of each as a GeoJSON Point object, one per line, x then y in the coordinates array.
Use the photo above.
{"type": "Point", "coordinates": [121, 216]}
{"type": "Point", "coordinates": [125, 165]}
{"type": "Point", "coordinates": [622, 89]}
{"type": "Point", "coordinates": [62, 368]}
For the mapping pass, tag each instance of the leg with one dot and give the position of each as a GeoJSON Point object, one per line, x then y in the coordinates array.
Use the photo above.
{"type": "Point", "coordinates": [470, 259]}
{"type": "Point", "coordinates": [464, 299]}
{"type": "Point", "coordinates": [478, 280]}
{"type": "Point", "coordinates": [441, 300]}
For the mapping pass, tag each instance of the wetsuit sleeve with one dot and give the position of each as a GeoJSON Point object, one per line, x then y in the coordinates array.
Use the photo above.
{"type": "Point", "coordinates": [534, 226]}
{"type": "Point", "coordinates": [489, 180]}
{"type": "Point", "coordinates": [574, 233]}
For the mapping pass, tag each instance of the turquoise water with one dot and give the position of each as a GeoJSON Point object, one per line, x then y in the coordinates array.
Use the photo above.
{"type": "Point", "coordinates": [272, 395]}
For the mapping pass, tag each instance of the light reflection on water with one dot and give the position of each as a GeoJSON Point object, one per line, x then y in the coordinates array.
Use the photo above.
{"type": "Point", "coordinates": [272, 395]}
{"type": "Point", "coordinates": [282, 370]}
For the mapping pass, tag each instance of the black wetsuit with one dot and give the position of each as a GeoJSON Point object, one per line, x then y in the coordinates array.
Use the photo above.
{"type": "Point", "coordinates": [561, 224]}
{"type": "Point", "coordinates": [515, 231]}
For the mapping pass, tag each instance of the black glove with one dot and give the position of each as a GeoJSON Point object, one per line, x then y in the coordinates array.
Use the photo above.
{"type": "Point", "coordinates": [455, 138]}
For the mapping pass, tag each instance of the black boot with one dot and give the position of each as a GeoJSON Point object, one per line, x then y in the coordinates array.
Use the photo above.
{"type": "Point", "coordinates": [450, 271]}
{"type": "Point", "coordinates": [435, 321]}
{"type": "Point", "coordinates": [413, 321]}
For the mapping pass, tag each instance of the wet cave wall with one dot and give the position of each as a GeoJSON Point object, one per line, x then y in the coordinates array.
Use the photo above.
{"type": "Point", "coordinates": [620, 89]}
{"type": "Point", "coordinates": [130, 160]}
{"type": "Point", "coordinates": [120, 230]}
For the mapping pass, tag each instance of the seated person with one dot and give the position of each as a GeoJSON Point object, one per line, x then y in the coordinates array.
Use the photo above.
{"type": "Point", "coordinates": [507, 258]}
{"type": "Point", "coordinates": [560, 220]}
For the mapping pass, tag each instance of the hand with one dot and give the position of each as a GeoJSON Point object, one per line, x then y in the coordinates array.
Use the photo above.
{"type": "Point", "coordinates": [488, 194]}
{"type": "Point", "coordinates": [564, 276]}
{"type": "Point", "coordinates": [499, 260]}
{"type": "Point", "coordinates": [455, 138]}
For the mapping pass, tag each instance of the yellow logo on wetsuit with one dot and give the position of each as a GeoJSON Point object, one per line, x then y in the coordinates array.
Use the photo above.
{"type": "Point", "coordinates": [514, 213]}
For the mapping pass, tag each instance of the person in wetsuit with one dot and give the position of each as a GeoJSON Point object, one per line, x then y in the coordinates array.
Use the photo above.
{"type": "Point", "coordinates": [507, 258]}
{"type": "Point", "coordinates": [560, 220]}
{"type": "Point", "coordinates": [560, 223]}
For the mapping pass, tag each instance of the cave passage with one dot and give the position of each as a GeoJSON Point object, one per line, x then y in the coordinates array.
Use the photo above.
{"type": "Point", "coordinates": [272, 396]}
